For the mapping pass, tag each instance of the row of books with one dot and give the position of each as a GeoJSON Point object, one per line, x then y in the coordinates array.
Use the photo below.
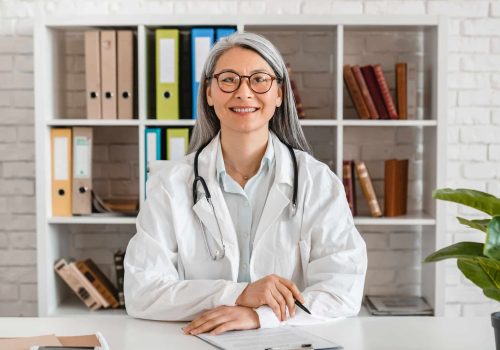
{"type": "Point", "coordinates": [395, 187]}
{"type": "Point", "coordinates": [91, 285]}
{"type": "Point", "coordinates": [109, 74]}
{"type": "Point", "coordinates": [71, 175]}
{"type": "Point", "coordinates": [398, 305]}
{"type": "Point", "coordinates": [371, 95]}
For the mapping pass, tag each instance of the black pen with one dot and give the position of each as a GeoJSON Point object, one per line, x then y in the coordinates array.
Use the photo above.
{"type": "Point", "coordinates": [299, 304]}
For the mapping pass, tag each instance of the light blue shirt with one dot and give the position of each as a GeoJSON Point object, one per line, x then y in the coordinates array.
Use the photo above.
{"type": "Point", "coordinates": [246, 204]}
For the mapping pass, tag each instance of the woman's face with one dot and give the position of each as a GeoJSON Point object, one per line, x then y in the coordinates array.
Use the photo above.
{"type": "Point", "coordinates": [228, 106]}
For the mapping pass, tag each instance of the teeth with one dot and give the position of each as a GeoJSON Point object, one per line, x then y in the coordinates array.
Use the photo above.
{"type": "Point", "coordinates": [244, 110]}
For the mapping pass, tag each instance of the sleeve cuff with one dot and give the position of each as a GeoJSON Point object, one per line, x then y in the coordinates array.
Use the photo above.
{"type": "Point", "coordinates": [231, 293]}
{"type": "Point", "coordinates": [267, 317]}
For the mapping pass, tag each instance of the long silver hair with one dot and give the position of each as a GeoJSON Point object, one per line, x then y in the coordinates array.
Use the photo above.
{"type": "Point", "coordinates": [285, 121]}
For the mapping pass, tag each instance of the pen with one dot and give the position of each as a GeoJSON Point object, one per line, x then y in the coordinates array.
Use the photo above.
{"type": "Point", "coordinates": [292, 347]}
{"type": "Point", "coordinates": [299, 304]}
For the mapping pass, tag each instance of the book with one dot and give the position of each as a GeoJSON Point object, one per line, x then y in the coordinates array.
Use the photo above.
{"type": "Point", "coordinates": [398, 305]}
{"type": "Point", "coordinates": [296, 96]}
{"type": "Point", "coordinates": [411, 90]}
{"type": "Point", "coordinates": [86, 281]}
{"type": "Point", "coordinates": [61, 267]}
{"type": "Point", "coordinates": [373, 88]}
{"type": "Point", "coordinates": [386, 93]}
{"type": "Point", "coordinates": [395, 187]}
{"type": "Point", "coordinates": [372, 110]}
{"type": "Point", "coordinates": [355, 93]}
{"type": "Point", "coordinates": [367, 188]}
{"type": "Point", "coordinates": [348, 180]}
{"type": "Point", "coordinates": [119, 256]}
{"type": "Point", "coordinates": [99, 281]}
{"type": "Point", "coordinates": [401, 90]}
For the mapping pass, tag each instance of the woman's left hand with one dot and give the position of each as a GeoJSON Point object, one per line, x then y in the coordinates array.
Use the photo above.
{"type": "Point", "coordinates": [222, 319]}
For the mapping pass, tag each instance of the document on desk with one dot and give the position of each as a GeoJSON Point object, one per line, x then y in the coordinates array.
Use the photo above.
{"type": "Point", "coordinates": [269, 338]}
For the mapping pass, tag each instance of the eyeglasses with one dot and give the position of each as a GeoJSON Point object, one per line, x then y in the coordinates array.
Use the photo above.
{"type": "Point", "coordinates": [259, 82]}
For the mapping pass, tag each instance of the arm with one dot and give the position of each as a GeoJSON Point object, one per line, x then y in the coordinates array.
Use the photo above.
{"type": "Point", "coordinates": [152, 287]}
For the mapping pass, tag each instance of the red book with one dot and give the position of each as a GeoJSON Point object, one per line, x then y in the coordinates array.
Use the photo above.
{"type": "Point", "coordinates": [348, 180]}
{"type": "Point", "coordinates": [371, 83]}
{"type": "Point", "coordinates": [384, 89]}
{"type": "Point", "coordinates": [365, 92]}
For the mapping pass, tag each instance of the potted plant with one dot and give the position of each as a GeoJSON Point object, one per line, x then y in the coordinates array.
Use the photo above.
{"type": "Point", "coordinates": [479, 262]}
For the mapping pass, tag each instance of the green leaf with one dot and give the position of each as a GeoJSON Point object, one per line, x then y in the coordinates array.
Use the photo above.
{"type": "Point", "coordinates": [482, 201]}
{"type": "Point", "coordinates": [458, 250]}
{"type": "Point", "coordinates": [492, 244]}
{"type": "Point", "coordinates": [476, 274]}
{"type": "Point", "coordinates": [480, 225]}
{"type": "Point", "coordinates": [492, 293]}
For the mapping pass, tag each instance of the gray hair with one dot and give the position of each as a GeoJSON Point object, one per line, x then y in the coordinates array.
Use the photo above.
{"type": "Point", "coordinates": [285, 121]}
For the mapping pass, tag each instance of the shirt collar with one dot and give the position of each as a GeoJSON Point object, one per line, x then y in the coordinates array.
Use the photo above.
{"type": "Point", "coordinates": [267, 159]}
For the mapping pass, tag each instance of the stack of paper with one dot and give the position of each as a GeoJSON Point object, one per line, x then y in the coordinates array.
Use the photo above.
{"type": "Point", "coordinates": [398, 306]}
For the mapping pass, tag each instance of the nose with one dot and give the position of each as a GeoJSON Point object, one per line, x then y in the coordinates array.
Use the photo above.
{"type": "Point", "coordinates": [244, 90]}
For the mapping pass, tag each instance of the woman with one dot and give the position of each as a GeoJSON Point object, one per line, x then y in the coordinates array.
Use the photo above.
{"type": "Point", "coordinates": [236, 251]}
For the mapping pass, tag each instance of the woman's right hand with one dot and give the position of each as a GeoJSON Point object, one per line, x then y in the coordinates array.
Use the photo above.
{"type": "Point", "coordinates": [275, 291]}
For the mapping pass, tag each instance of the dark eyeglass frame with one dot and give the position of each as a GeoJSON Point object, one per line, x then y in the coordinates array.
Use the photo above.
{"type": "Point", "coordinates": [216, 76]}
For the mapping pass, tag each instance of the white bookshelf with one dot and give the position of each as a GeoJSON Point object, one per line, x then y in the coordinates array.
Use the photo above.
{"type": "Point", "coordinates": [52, 232]}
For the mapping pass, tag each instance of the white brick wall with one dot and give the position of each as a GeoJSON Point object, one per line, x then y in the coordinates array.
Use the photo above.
{"type": "Point", "coordinates": [473, 129]}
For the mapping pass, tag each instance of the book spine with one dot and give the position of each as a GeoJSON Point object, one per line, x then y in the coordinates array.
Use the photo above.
{"type": "Point", "coordinates": [401, 90]}
{"type": "Point", "coordinates": [62, 269]}
{"type": "Point", "coordinates": [372, 110]}
{"type": "Point", "coordinates": [386, 94]}
{"type": "Point", "coordinates": [91, 289]}
{"type": "Point", "coordinates": [355, 92]}
{"type": "Point", "coordinates": [390, 187]}
{"type": "Point", "coordinates": [348, 185]}
{"type": "Point", "coordinates": [367, 188]}
{"type": "Point", "coordinates": [371, 83]}
{"type": "Point", "coordinates": [411, 88]}
{"type": "Point", "coordinates": [97, 283]}
{"type": "Point", "coordinates": [118, 257]}
{"type": "Point", "coordinates": [105, 281]}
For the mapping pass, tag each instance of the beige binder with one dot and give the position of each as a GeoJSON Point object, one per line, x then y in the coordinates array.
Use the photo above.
{"type": "Point", "coordinates": [82, 170]}
{"type": "Point", "coordinates": [125, 74]}
{"type": "Point", "coordinates": [108, 74]}
{"type": "Point", "coordinates": [93, 74]}
{"type": "Point", "coordinates": [61, 171]}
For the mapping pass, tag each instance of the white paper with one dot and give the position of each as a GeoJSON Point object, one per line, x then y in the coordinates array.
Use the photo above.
{"type": "Point", "coordinates": [82, 153]}
{"type": "Point", "coordinates": [61, 158]}
{"type": "Point", "coordinates": [259, 339]}
{"type": "Point", "coordinates": [167, 61]}
{"type": "Point", "coordinates": [177, 148]}
{"type": "Point", "coordinates": [202, 48]}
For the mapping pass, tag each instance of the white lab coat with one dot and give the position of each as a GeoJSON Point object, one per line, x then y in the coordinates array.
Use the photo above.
{"type": "Point", "coordinates": [169, 274]}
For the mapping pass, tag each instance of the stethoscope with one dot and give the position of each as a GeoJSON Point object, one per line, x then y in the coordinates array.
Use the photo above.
{"type": "Point", "coordinates": [220, 254]}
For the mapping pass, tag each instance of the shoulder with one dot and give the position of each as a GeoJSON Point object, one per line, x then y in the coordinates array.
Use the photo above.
{"type": "Point", "coordinates": [316, 173]}
{"type": "Point", "coordinates": [169, 174]}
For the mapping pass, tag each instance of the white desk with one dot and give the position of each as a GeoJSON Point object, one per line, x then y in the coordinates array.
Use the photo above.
{"type": "Point", "coordinates": [360, 333]}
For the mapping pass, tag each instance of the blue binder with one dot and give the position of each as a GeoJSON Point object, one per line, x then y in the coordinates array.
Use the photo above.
{"type": "Point", "coordinates": [202, 40]}
{"type": "Point", "coordinates": [223, 32]}
{"type": "Point", "coordinates": [152, 147]}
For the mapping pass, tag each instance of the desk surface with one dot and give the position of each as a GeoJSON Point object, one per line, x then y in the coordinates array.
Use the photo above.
{"type": "Point", "coordinates": [359, 333]}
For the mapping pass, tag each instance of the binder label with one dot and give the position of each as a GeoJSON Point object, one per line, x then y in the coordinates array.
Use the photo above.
{"type": "Point", "coordinates": [151, 146]}
{"type": "Point", "coordinates": [60, 158]}
{"type": "Point", "coordinates": [167, 61]}
{"type": "Point", "coordinates": [202, 48]}
{"type": "Point", "coordinates": [177, 150]}
{"type": "Point", "coordinates": [82, 155]}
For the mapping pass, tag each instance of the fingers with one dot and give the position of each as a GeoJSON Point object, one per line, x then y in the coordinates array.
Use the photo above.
{"type": "Point", "coordinates": [228, 326]}
{"type": "Point", "coordinates": [293, 288]}
{"type": "Point", "coordinates": [281, 301]}
{"type": "Point", "coordinates": [211, 324]}
{"type": "Point", "coordinates": [203, 318]}
{"type": "Point", "coordinates": [290, 302]}
{"type": "Point", "coordinates": [273, 304]}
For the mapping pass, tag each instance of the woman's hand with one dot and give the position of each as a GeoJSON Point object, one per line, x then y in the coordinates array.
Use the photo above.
{"type": "Point", "coordinates": [222, 319]}
{"type": "Point", "coordinates": [275, 291]}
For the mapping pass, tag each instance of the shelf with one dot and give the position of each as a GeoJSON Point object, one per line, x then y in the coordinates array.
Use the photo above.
{"type": "Point", "coordinates": [93, 219]}
{"type": "Point", "coordinates": [319, 122]}
{"type": "Point", "coordinates": [180, 122]}
{"type": "Point", "coordinates": [360, 122]}
{"type": "Point", "coordinates": [411, 219]}
{"type": "Point", "coordinates": [72, 306]}
{"type": "Point", "coordinates": [93, 122]}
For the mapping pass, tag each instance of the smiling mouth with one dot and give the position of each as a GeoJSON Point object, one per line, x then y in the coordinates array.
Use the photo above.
{"type": "Point", "coordinates": [244, 110]}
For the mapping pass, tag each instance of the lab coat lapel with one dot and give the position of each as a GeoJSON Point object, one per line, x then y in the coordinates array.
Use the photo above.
{"type": "Point", "coordinates": [203, 209]}
{"type": "Point", "coordinates": [278, 198]}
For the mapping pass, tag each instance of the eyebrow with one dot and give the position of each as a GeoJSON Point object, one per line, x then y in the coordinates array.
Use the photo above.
{"type": "Point", "coordinates": [254, 71]}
